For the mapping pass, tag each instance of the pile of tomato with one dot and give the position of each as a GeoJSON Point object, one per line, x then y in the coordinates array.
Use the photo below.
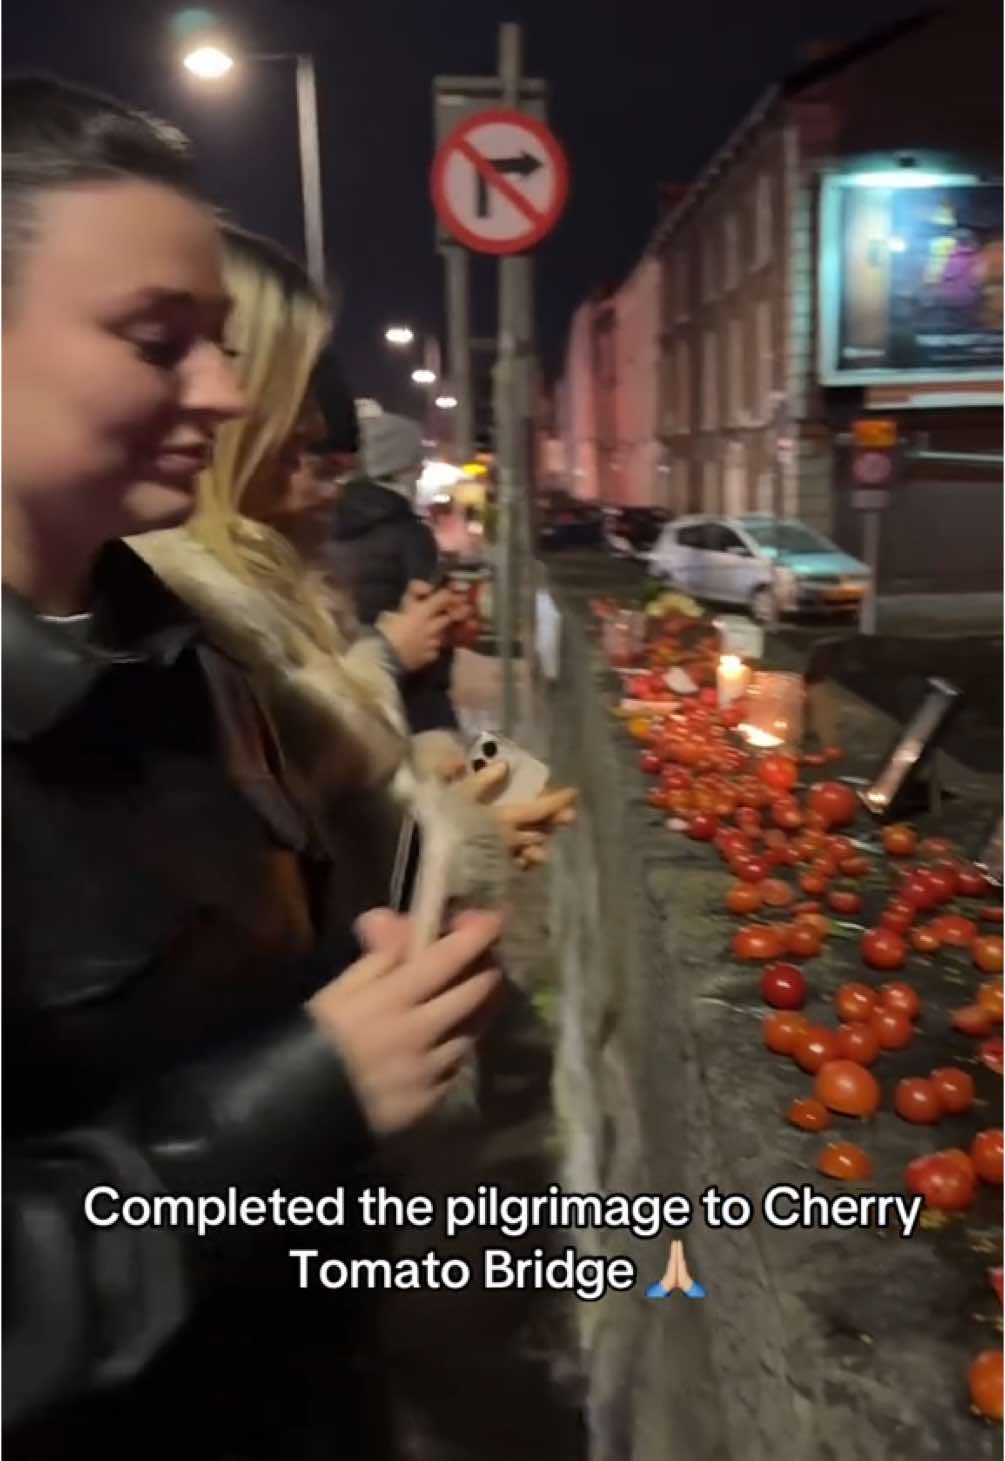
{"type": "Point", "coordinates": [796, 879]}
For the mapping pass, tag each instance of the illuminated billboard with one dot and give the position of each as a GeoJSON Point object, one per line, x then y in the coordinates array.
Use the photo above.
{"type": "Point", "coordinates": [910, 279]}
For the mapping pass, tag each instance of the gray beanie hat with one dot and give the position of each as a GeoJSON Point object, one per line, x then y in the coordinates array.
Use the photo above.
{"type": "Point", "coordinates": [391, 446]}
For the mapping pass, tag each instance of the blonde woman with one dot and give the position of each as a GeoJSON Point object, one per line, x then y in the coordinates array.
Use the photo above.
{"type": "Point", "coordinates": [333, 701]}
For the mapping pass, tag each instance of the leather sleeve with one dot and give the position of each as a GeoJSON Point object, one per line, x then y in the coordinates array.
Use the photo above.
{"type": "Point", "coordinates": [88, 1307]}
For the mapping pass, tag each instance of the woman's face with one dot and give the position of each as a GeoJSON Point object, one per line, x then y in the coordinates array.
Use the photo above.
{"type": "Point", "coordinates": [303, 483]}
{"type": "Point", "coordinates": [115, 379]}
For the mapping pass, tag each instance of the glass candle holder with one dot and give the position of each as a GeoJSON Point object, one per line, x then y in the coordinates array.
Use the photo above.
{"type": "Point", "coordinates": [773, 711]}
{"type": "Point", "coordinates": [731, 678]}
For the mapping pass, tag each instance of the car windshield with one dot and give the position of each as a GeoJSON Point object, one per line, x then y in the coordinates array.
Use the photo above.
{"type": "Point", "coordinates": [786, 538]}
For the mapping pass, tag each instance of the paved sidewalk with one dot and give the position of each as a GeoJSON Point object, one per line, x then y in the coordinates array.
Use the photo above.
{"type": "Point", "coordinates": [918, 615]}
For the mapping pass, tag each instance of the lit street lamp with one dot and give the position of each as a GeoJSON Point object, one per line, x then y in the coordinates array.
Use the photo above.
{"type": "Point", "coordinates": [423, 377]}
{"type": "Point", "coordinates": [446, 403]}
{"type": "Point", "coordinates": [210, 63]}
{"type": "Point", "coordinates": [399, 335]}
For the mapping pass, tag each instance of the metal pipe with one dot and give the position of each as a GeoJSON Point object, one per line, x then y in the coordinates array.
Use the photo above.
{"type": "Point", "coordinates": [310, 169]}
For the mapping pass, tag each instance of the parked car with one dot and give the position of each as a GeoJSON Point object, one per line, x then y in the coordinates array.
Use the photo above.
{"type": "Point", "coordinates": [567, 522]}
{"type": "Point", "coordinates": [631, 532]}
{"type": "Point", "coordinates": [755, 558]}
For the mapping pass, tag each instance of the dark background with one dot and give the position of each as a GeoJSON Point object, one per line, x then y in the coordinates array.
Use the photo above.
{"type": "Point", "coordinates": [640, 94]}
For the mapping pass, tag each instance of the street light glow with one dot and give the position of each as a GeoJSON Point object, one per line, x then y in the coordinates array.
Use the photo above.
{"type": "Point", "coordinates": [446, 403]}
{"type": "Point", "coordinates": [399, 335]}
{"type": "Point", "coordinates": [424, 377]}
{"type": "Point", "coordinates": [209, 63]}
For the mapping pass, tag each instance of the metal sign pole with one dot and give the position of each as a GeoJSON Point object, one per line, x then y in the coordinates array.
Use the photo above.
{"type": "Point", "coordinates": [507, 414]}
{"type": "Point", "coordinates": [310, 169]}
{"type": "Point", "coordinates": [459, 337]}
{"type": "Point", "coordinates": [870, 552]}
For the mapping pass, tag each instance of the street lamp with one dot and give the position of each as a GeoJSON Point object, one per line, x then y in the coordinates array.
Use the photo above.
{"type": "Point", "coordinates": [446, 403]}
{"type": "Point", "coordinates": [210, 63]}
{"type": "Point", "coordinates": [399, 335]}
{"type": "Point", "coordinates": [423, 377]}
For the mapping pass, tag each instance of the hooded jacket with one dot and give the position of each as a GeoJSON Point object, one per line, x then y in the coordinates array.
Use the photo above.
{"type": "Point", "coordinates": [379, 546]}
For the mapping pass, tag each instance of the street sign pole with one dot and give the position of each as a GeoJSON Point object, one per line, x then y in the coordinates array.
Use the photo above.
{"type": "Point", "coordinates": [459, 348]}
{"type": "Point", "coordinates": [507, 415]}
{"type": "Point", "coordinates": [870, 552]}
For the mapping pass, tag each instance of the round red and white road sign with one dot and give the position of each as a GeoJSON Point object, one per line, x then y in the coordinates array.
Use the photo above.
{"type": "Point", "coordinates": [500, 181]}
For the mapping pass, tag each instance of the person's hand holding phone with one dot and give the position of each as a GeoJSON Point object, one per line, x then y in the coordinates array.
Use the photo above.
{"type": "Point", "coordinates": [403, 1026]}
{"type": "Point", "coordinates": [417, 631]}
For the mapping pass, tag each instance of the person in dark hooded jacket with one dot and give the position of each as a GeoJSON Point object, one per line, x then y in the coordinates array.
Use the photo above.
{"type": "Point", "coordinates": [381, 548]}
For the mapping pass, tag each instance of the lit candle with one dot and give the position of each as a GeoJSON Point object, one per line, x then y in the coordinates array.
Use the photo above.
{"type": "Point", "coordinates": [732, 678]}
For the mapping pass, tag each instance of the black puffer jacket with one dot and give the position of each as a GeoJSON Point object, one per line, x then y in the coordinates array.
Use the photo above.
{"type": "Point", "coordinates": [380, 545]}
{"type": "Point", "coordinates": [159, 939]}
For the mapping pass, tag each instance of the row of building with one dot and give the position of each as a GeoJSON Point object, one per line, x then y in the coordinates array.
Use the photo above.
{"type": "Point", "coordinates": [840, 258]}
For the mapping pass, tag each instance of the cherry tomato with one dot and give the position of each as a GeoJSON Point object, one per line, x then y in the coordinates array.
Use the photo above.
{"type": "Point", "coordinates": [834, 801]}
{"type": "Point", "coordinates": [986, 1153]}
{"type": "Point", "coordinates": [899, 841]}
{"type": "Point", "coordinates": [813, 883]}
{"type": "Point", "coordinates": [817, 921]}
{"type": "Point", "coordinates": [785, 813]}
{"type": "Point", "coordinates": [743, 898]}
{"type": "Point", "coordinates": [972, 1019]}
{"type": "Point", "coordinates": [854, 867]}
{"type": "Point", "coordinates": [986, 953]}
{"type": "Point", "coordinates": [900, 996]}
{"type": "Point", "coordinates": [892, 1028]}
{"type": "Point", "coordinates": [991, 997]}
{"type": "Point", "coordinates": [992, 1054]}
{"type": "Point", "coordinates": [936, 847]}
{"type": "Point", "coordinates": [833, 753]}
{"type": "Point", "coordinates": [955, 1088]}
{"type": "Point", "coordinates": [925, 940]}
{"type": "Point", "coordinates": [898, 915]}
{"type": "Point", "coordinates": [943, 879]}
{"type": "Point", "coordinates": [640, 727]}
{"type": "Point", "coordinates": [757, 943]}
{"type": "Point", "coordinates": [957, 932]}
{"type": "Point", "coordinates": [651, 763]}
{"type": "Point", "coordinates": [780, 1032]}
{"type": "Point", "coordinates": [985, 1380]}
{"type": "Point", "coordinates": [992, 915]}
{"type": "Point", "coordinates": [918, 1101]}
{"type": "Point", "coordinates": [776, 894]}
{"type": "Point", "coordinates": [802, 909]}
{"type": "Point", "coordinates": [783, 986]}
{"type": "Point", "coordinates": [916, 890]}
{"type": "Point", "coordinates": [847, 1087]}
{"type": "Point", "coordinates": [883, 949]}
{"type": "Point", "coordinates": [752, 869]}
{"type": "Point", "coordinates": [802, 939]}
{"type": "Point", "coordinates": [844, 1160]}
{"type": "Point", "coordinates": [808, 1114]}
{"type": "Point", "coordinates": [824, 865]}
{"type": "Point", "coordinates": [972, 883]}
{"type": "Point", "coordinates": [855, 1002]}
{"type": "Point", "coordinates": [780, 773]}
{"type": "Point", "coordinates": [814, 1047]}
{"type": "Point", "coordinates": [858, 1043]}
{"type": "Point", "coordinates": [773, 837]}
{"type": "Point", "coordinates": [844, 901]}
{"type": "Point", "coordinates": [702, 828]}
{"type": "Point", "coordinates": [942, 1181]}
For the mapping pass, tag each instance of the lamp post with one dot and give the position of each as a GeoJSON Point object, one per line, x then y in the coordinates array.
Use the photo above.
{"type": "Point", "coordinates": [211, 62]}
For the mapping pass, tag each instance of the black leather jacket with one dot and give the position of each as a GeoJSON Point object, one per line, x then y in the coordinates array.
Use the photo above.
{"type": "Point", "coordinates": [157, 947]}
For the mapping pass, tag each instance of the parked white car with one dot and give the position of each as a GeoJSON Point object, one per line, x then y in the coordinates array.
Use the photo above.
{"type": "Point", "coordinates": [756, 560]}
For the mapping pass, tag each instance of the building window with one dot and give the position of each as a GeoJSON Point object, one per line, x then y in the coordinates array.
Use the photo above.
{"type": "Point", "coordinates": [731, 251]}
{"type": "Point", "coordinates": [682, 402]}
{"type": "Point", "coordinates": [709, 278]}
{"type": "Point", "coordinates": [735, 374]}
{"type": "Point", "coordinates": [764, 358]}
{"type": "Point", "coordinates": [709, 382]}
{"type": "Point", "coordinates": [763, 221]}
{"type": "Point", "coordinates": [681, 287]}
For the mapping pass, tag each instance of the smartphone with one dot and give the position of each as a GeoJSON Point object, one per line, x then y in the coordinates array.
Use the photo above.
{"type": "Point", "coordinates": [527, 777]}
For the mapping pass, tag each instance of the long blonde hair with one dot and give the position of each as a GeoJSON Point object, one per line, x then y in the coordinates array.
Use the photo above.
{"type": "Point", "coordinates": [279, 325]}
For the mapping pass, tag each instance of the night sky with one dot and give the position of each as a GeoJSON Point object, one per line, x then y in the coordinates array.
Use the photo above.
{"type": "Point", "coordinates": [639, 97]}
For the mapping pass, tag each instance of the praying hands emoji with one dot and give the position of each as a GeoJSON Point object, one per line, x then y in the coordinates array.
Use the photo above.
{"type": "Point", "coordinates": [677, 1276]}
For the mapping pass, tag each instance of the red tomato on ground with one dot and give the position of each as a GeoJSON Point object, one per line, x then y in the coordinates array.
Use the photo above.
{"type": "Point", "coordinates": [972, 883]}
{"type": "Point", "coordinates": [780, 773]}
{"type": "Point", "coordinates": [985, 1380]}
{"type": "Point", "coordinates": [743, 898]}
{"type": "Point", "coordinates": [986, 1153]}
{"type": "Point", "coordinates": [842, 900]}
{"type": "Point", "coordinates": [924, 940]}
{"type": "Point", "coordinates": [899, 841]}
{"type": "Point", "coordinates": [847, 1087]}
{"type": "Point", "coordinates": [752, 869]}
{"type": "Point", "coordinates": [952, 929]}
{"type": "Point", "coordinates": [991, 997]}
{"type": "Point", "coordinates": [783, 986]}
{"type": "Point", "coordinates": [780, 1032]}
{"type": "Point", "coordinates": [808, 1114]}
{"type": "Point", "coordinates": [858, 1043]}
{"type": "Point", "coordinates": [814, 1047]}
{"type": "Point", "coordinates": [776, 894]}
{"type": "Point", "coordinates": [900, 996]}
{"type": "Point", "coordinates": [955, 1088]}
{"type": "Point", "coordinates": [943, 878]}
{"type": "Point", "coordinates": [883, 949]}
{"type": "Point", "coordinates": [803, 939]}
{"type": "Point", "coordinates": [892, 1028]}
{"type": "Point", "coordinates": [757, 943]}
{"type": "Point", "coordinates": [834, 801]}
{"type": "Point", "coordinates": [992, 1054]}
{"type": "Point", "coordinates": [813, 883]}
{"type": "Point", "coordinates": [986, 953]}
{"type": "Point", "coordinates": [845, 1161]}
{"type": "Point", "coordinates": [918, 1101]}
{"type": "Point", "coordinates": [992, 915]}
{"type": "Point", "coordinates": [702, 828]}
{"type": "Point", "coordinates": [943, 1181]}
{"type": "Point", "coordinates": [972, 1019]}
{"type": "Point", "coordinates": [785, 813]}
{"type": "Point", "coordinates": [855, 1002]}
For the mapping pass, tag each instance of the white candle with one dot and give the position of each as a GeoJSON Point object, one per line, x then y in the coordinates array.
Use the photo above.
{"type": "Point", "coordinates": [732, 678]}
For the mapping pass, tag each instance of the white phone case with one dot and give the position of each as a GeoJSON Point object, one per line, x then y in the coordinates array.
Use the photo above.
{"type": "Point", "coordinates": [527, 777]}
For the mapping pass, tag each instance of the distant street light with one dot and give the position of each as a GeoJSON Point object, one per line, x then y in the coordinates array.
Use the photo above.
{"type": "Point", "coordinates": [399, 335]}
{"type": "Point", "coordinates": [446, 403]}
{"type": "Point", "coordinates": [210, 63]}
{"type": "Point", "coordinates": [423, 377]}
